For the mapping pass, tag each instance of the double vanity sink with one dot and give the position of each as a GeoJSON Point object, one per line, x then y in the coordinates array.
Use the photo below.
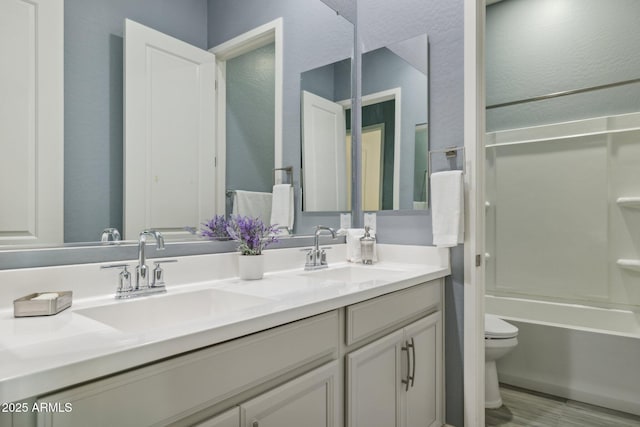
{"type": "Point", "coordinates": [189, 307]}
{"type": "Point", "coordinates": [99, 335]}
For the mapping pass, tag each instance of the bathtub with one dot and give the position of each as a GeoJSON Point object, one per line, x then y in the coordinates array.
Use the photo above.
{"type": "Point", "coordinates": [578, 352]}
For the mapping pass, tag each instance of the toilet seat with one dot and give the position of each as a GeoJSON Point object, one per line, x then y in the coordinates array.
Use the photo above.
{"type": "Point", "coordinates": [496, 328]}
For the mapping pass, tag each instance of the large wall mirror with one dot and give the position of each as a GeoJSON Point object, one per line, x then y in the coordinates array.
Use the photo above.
{"type": "Point", "coordinates": [313, 34]}
{"type": "Point", "coordinates": [395, 130]}
{"type": "Point", "coordinates": [395, 126]}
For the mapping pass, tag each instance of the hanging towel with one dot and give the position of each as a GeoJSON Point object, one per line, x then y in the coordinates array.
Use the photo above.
{"type": "Point", "coordinates": [354, 252]}
{"type": "Point", "coordinates": [252, 204]}
{"type": "Point", "coordinates": [282, 208]}
{"type": "Point", "coordinates": [447, 204]}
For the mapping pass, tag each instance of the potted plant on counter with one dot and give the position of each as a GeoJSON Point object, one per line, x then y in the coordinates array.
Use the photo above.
{"type": "Point", "coordinates": [253, 236]}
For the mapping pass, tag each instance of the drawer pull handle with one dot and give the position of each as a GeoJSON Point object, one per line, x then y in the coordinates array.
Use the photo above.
{"type": "Point", "coordinates": [406, 380]}
{"type": "Point", "coordinates": [413, 365]}
{"type": "Point", "coordinates": [255, 424]}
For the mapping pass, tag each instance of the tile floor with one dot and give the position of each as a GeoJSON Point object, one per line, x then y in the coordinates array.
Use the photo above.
{"type": "Point", "coordinates": [523, 408]}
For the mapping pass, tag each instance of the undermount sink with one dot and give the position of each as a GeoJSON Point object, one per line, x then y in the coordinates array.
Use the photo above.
{"type": "Point", "coordinates": [353, 274]}
{"type": "Point", "coordinates": [170, 309]}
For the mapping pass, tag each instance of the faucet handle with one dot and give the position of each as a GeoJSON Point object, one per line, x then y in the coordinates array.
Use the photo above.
{"type": "Point", "coordinates": [158, 272]}
{"type": "Point", "coordinates": [110, 234]}
{"type": "Point", "coordinates": [124, 278]}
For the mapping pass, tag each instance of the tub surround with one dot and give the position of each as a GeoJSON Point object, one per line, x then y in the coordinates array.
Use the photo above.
{"type": "Point", "coordinates": [578, 352]}
{"type": "Point", "coordinates": [48, 353]}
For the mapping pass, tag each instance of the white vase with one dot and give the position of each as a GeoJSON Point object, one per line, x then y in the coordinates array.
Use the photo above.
{"type": "Point", "coordinates": [251, 267]}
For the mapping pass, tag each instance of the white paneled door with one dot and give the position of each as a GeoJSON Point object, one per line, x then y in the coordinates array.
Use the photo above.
{"type": "Point", "coordinates": [324, 165]}
{"type": "Point", "coordinates": [31, 121]}
{"type": "Point", "coordinates": [169, 133]}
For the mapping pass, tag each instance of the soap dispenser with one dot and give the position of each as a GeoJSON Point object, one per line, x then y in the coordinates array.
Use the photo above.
{"type": "Point", "coordinates": [367, 244]}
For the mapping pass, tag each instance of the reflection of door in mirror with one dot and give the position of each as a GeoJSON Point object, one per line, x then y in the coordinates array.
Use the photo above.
{"type": "Point", "coordinates": [372, 166]}
{"type": "Point", "coordinates": [169, 133]}
{"type": "Point", "coordinates": [31, 122]}
{"type": "Point", "coordinates": [324, 163]}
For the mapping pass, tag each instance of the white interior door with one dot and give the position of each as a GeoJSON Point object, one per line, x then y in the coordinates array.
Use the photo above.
{"type": "Point", "coordinates": [324, 165]}
{"type": "Point", "coordinates": [31, 121]}
{"type": "Point", "coordinates": [372, 158]}
{"type": "Point", "coordinates": [169, 133]}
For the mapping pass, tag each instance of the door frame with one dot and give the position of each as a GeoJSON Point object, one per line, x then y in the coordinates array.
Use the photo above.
{"type": "Point", "coordinates": [394, 94]}
{"type": "Point", "coordinates": [271, 32]}
{"type": "Point", "coordinates": [474, 272]}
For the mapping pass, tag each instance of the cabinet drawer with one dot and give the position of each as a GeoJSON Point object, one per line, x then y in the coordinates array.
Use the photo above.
{"type": "Point", "coordinates": [166, 390]}
{"type": "Point", "coordinates": [378, 314]}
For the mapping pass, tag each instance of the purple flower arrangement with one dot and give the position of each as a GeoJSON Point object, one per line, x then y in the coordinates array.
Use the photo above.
{"type": "Point", "coordinates": [252, 234]}
{"type": "Point", "coordinates": [215, 228]}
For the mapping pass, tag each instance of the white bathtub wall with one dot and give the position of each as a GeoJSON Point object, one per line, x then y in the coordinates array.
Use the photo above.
{"type": "Point", "coordinates": [554, 229]}
{"type": "Point", "coordinates": [624, 234]}
{"type": "Point", "coordinates": [590, 367]}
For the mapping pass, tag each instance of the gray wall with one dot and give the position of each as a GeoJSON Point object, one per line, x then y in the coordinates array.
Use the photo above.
{"type": "Point", "coordinates": [250, 120]}
{"type": "Point", "coordinates": [443, 21]}
{"type": "Point", "coordinates": [93, 86]}
{"type": "Point", "coordinates": [538, 47]}
{"type": "Point", "coordinates": [313, 36]}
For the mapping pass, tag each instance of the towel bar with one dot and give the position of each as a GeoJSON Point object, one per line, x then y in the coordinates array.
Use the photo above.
{"type": "Point", "coordinates": [450, 153]}
{"type": "Point", "coordinates": [288, 170]}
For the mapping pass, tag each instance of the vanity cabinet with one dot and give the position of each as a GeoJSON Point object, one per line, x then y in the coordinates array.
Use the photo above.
{"type": "Point", "coordinates": [311, 400]}
{"type": "Point", "coordinates": [231, 418]}
{"type": "Point", "coordinates": [374, 363]}
{"type": "Point", "coordinates": [397, 379]}
{"type": "Point", "coordinates": [168, 391]}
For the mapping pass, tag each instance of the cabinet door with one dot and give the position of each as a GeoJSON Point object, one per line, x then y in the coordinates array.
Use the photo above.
{"type": "Point", "coordinates": [310, 401]}
{"type": "Point", "coordinates": [424, 397]}
{"type": "Point", "coordinates": [374, 381]}
{"type": "Point", "coordinates": [231, 418]}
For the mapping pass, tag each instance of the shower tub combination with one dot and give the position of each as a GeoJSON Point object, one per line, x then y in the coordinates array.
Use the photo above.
{"type": "Point", "coordinates": [563, 257]}
{"type": "Point", "coordinates": [578, 352]}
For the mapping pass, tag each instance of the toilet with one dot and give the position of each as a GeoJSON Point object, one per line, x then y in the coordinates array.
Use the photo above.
{"type": "Point", "coordinates": [500, 338]}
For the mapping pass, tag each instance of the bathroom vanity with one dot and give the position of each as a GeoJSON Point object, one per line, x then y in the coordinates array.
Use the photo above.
{"type": "Point", "coordinates": [351, 344]}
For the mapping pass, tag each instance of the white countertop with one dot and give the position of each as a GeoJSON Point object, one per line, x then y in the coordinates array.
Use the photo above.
{"type": "Point", "coordinates": [42, 354]}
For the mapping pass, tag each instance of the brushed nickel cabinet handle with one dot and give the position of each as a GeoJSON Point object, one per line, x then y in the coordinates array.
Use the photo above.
{"type": "Point", "coordinates": [406, 380]}
{"type": "Point", "coordinates": [413, 366]}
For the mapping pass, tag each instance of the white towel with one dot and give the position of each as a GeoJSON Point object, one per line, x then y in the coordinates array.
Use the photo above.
{"type": "Point", "coordinates": [354, 251]}
{"type": "Point", "coordinates": [282, 208]}
{"type": "Point", "coordinates": [252, 204]}
{"type": "Point", "coordinates": [447, 208]}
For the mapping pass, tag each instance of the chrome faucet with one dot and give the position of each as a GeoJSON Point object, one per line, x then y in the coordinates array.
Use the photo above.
{"type": "Point", "coordinates": [142, 271]}
{"type": "Point", "coordinates": [142, 287]}
{"type": "Point", "coordinates": [316, 257]}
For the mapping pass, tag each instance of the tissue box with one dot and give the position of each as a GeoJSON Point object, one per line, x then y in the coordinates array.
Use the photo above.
{"type": "Point", "coordinates": [27, 306]}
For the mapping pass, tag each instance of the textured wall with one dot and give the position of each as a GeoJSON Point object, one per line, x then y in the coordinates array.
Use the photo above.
{"type": "Point", "coordinates": [384, 22]}
{"type": "Point", "coordinates": [538, 47]}
{"type": "Point", "coordinates": [93, 87]}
